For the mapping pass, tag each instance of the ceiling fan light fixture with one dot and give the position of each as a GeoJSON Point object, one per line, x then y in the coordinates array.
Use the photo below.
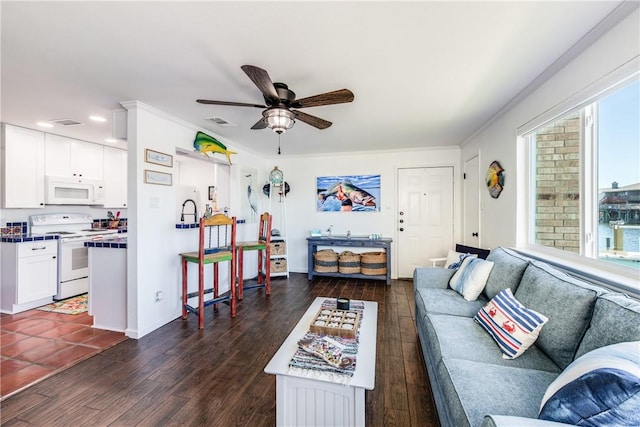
{"type": "Point", "coordinates": [279, 119]}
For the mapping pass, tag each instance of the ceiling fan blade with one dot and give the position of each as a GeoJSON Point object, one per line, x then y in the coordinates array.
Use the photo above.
{"type": "Point", "coordinates": [336, 97]}
{"type": "Point", "coordinates": [233, 104]}
{"type": "Point", "coordinates": [260, 124]}
{"type": "Point", "coordinates": [261, 78]}
{"type": "Point", "coordinates": [312, 120]}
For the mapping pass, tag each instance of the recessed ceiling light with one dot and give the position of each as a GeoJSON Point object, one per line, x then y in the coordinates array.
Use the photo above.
{"type": "Point", "coordinates": [111, 140]}
{"type": "Point", "coordinates": [97, 118]}
{"type": "Point", "coordinates": [44, 124]}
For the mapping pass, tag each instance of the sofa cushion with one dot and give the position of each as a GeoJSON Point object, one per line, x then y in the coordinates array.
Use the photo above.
{"type": "Point", "coordinates": [600, 388]}
{"type": "Point", "coordinates": [475, 389]}
{"type": "Point", "coordinates": [513, 326]}
{"type": "Point", "coordinates": [447, 301]}
{"type": "Point", "coordinates": [454, 336]}
{"type": "Point", "coordinates": [567, 302]}
{"type": "Point", "coordinates": [507, 271]}
{"type": "Point", "coordinates": [470, 278]}
{"type": "Point", "coordinates": [616, 318]}
{"type": "Point", "coordinates": [428, 277]}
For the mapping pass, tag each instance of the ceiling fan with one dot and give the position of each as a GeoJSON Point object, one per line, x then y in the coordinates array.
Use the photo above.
{"type": "Point", "coordinates": [280, 100]}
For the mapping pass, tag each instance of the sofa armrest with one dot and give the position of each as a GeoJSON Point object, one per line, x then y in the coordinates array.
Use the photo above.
{"type": "Point", "coordinates": [435, 261]}
{"type": "Point", "coordinates": [428, 277]}
{"type": "Point", "coordinates": [510, 421]}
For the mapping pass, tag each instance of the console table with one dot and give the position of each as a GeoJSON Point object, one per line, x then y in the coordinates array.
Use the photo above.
{"type": "Point", "coordinates": [358, 242]}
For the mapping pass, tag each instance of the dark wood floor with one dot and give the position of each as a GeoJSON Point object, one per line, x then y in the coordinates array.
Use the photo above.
{"type": "Point", "coordinates": [179, 375]}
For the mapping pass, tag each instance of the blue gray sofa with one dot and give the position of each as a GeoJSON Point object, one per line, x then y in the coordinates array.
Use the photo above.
{"type": "Point", "coordinates": [472, 384]}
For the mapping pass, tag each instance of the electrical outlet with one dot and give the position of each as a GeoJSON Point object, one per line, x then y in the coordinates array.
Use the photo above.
{"type": "Point", "coordinates": [159, 296]}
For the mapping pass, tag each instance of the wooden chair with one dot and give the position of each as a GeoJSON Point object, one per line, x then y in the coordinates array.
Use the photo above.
{"type": "Point", "coordinates": [217, 244]}
{"type": "Point", "coordinates": [262, 245]}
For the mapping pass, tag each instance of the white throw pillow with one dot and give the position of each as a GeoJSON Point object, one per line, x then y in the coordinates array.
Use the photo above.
{"type": "Point", "coordinates": [471, 277]}
{"type": "Point", "coordinates": [454, 259]}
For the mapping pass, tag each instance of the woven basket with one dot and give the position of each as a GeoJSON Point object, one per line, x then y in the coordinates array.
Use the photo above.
{"type": "Point", "coordinates": [373, 263]}
{"type": "Point", "coordinates": [325, 261]}
{"type": "Point", "coordinates": [349, 263]}
{"type": "Point", "coordinates": [278, 265]}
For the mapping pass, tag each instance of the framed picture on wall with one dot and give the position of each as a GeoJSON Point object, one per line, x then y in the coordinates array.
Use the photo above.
{"type": "Point", "coordinates": [347, 193]}
{"type": "Point", "coordinates": [158, 178]}
{"type": "Point", "coordinates": [158, 158]}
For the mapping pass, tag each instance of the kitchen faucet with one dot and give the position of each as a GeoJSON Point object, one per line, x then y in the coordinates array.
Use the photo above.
{"type": "Point", "coordinates": [195, 211]}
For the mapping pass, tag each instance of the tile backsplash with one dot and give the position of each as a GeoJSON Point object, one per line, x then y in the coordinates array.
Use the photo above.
{"type": "Point", "coordinates": [14, 229]}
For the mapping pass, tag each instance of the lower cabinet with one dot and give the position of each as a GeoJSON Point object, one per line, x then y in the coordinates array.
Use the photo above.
{"type": "Point", "coordinates": [29, 275]}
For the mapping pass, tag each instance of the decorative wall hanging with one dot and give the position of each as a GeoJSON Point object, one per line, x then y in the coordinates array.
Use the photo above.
{"type": "Point", "coordinates": [158, 158]}
{"type": "Point", "coordinates": [208, 144]}
{"type": "Point", "coordinates": [266, 189]}
{"type": "Point", "coordinates": [348, 193]}
{"type": "Point", "coordinates": [158, 178]}
{"type": "Point", "coordinates": [495, 179]}
{"type": "Point", "coordinates": [249, 195]}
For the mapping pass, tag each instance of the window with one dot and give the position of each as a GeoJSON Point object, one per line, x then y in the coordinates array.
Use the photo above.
{"type": "Point", "coordinates": [584, 181]}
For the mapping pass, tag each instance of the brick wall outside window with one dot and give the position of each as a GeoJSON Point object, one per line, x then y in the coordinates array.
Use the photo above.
{"type": "Point", "coordinates": [557, 209]}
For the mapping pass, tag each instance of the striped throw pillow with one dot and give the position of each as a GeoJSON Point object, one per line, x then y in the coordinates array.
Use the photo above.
{"type": "Point", "coordinates": [513, 326]}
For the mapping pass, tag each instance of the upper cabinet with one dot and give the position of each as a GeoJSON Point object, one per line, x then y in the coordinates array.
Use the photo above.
{"type": "Point", "coordinates": [115, 178]}
{"type": "Point", "coordinates": [68, 157]}
{"type": "Point", "coordinates": [23, 171]}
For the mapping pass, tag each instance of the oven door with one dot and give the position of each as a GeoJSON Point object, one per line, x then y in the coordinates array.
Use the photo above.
{"type": "Point", "coordinates": [73, 259]}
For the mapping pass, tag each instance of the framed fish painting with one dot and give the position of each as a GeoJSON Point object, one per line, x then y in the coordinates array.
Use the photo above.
{"type": "Point", "coordinates": [348, 193]}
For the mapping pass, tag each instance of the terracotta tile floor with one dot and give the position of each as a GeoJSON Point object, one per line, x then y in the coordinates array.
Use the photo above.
{"type": "Point", "coordinates": [36, 344]}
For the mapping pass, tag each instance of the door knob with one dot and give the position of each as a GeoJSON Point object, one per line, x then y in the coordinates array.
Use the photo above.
{"type": "Point", "coordinates": [401, 221]}
{"type": "Point", "coordinates": [401, 213]}
{"type": "Point", "coordinates": [474, 234]}
{"type": "Point", "coordinates": [401, 229]}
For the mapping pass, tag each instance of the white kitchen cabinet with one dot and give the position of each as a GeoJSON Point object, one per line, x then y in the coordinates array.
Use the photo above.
{"type": "Point", "coordinates": [115, 178]}
{"type": "Point", "coordinates": [70, 157]}
{"type": "Point", "coordinates": [29, 275]}
{"type": "Point", "coordinates": [23, 167]}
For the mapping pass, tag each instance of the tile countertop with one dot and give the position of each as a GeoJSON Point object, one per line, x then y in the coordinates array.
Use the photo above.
{"type": "Point", "coordinates": [26, 237]}
{"type": "Point", "coordinates": [111, 242]}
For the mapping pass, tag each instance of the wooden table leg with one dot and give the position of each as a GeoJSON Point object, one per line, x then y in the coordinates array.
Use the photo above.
{"type": "Point", "coordinates": [232, 286]}
{"type": "Point", "coordinates": [200, 296]}
{"type": "Point", "coordinates": [215, 284]}
{"type": "Point", "coordinates": [260, 280]}
{"type": "Point", "coordinates": [240, 251]}
{"type": "Point", "coordinates": [184, 287]}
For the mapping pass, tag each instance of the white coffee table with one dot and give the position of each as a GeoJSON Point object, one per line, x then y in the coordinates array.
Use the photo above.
{"type": "Point", "coordinates": [304, 401]}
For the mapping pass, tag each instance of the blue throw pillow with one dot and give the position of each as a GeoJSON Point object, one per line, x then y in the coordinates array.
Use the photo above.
{"type": "Point", "coordinates": [601, 388]}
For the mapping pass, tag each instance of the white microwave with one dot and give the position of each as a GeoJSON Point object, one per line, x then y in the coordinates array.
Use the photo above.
{"type": "Point", "coordinates": [62, 190]}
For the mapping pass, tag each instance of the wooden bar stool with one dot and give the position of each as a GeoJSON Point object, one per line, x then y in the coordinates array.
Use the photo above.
{"type": "Point", "coordinates": [262, 245]}
{"type": "Point", "coordinates": [217, 244]}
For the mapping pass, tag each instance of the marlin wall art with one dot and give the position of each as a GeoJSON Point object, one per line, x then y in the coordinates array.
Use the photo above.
{"type": "Point", "coordinates": [348, 193]}
{"type": "Point", "coordinates": [208, 144]}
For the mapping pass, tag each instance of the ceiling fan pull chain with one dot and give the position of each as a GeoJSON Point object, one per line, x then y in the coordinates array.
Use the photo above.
{"type": "Point", "coordinates": [278, 144]}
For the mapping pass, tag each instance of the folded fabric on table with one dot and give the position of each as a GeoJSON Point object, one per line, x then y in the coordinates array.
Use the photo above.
{"type": "Point", "coordinates": [306, 364]}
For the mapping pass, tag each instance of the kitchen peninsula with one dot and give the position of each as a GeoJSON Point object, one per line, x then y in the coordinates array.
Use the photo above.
{"type": "Point", "coordinates": [108, 283]}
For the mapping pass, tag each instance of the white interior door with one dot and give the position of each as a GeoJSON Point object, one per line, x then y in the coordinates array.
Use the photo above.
{"type": "Point", "coordinates": [425, 216]}
{"type": "Point", "coordinates": [471, 203]}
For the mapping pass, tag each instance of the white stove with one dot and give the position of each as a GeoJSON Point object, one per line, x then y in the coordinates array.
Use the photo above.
{"type": "Point", "coordinates": [73, 256]}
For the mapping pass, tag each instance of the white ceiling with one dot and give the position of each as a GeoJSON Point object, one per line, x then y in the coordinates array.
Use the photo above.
{"type": "Point", "coordinates": [423, 73]}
